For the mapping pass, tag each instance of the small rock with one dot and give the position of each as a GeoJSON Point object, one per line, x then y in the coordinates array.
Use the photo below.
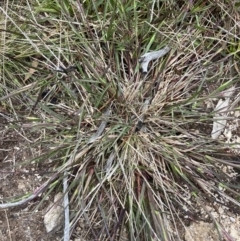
{"type": "Point", "coordinates": [54, 215]}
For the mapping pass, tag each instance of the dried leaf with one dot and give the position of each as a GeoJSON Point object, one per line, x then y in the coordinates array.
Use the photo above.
{"type": "Point", "coordinates": [220, 118]}
{"type": "Point", "coordinates": [229, 92]}
{"type": "Point", "coordinates": [146, 58]}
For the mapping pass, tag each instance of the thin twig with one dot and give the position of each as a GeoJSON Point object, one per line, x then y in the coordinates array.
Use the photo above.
{"type": "Point", "coordinates": [66, 208]}
{"type": "Point", "coordinates": [37, 192]}
{"type": "Point", "coordinates": [9, 231]}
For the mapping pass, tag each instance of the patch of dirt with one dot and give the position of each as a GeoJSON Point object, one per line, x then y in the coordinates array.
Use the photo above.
{"type": "Point", "coordinates": [202, 231]}
{"type": "Point", "coordinates": [24, 222]}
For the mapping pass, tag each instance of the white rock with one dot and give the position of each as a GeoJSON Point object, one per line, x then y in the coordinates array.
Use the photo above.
{"type": "Point", "coordinates": [54, 215]}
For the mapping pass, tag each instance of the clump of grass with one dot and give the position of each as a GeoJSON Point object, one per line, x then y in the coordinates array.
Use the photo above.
{"type": "Point", "coordinates": [136, 149]}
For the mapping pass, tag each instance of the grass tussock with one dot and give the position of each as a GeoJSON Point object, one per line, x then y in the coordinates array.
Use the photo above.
{"type": "Point", "coordinates": [136, 149]}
